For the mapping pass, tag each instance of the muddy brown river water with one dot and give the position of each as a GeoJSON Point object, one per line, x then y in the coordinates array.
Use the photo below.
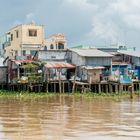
{"type": "Point", "coordinates": [69, 118]}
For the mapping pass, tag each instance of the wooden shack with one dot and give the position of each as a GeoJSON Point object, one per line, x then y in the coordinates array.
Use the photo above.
{"type": "Point", "coordinates": [121, 72]}
{"type": "Point", "coordinates": [133, 57]}
{"type": "Point", "coordinates": [92, 74]}
{"type": "Point", "coordinates": [57, 73]}
{"type": "Point", "coordinates": [125, 66]}
{"type": "Point", "coordinates": [91, 57]}
{"type": "Point", "coordinates": [23, 71]}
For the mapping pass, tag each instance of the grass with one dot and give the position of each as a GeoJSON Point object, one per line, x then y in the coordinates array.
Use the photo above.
{"type": "Point", "coordinates": [23, 93]}
{"type": "Point", "coordinates": [113, 96]}
{"type": "Point", "coordinates": [5, 93]}
{"type": "Point", "coordinates": [33, 96]}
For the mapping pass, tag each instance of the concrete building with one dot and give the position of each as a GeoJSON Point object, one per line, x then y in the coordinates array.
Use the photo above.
{"type": "Point", "coordinates": [53, 55]}
{"type": "Point", "coordinates": [55, 42]}
{"type": "Point", "coordinates": [24, 40]}
{"type": "Point", "coordinates": [4, 42]}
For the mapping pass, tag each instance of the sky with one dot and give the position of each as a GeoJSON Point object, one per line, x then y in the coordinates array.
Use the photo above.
{"type": "Point", "coordinates": [87, 22]}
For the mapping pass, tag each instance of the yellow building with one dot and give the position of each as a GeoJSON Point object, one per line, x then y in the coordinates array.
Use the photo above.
{"type": "Point", "coordinates": [24, 40]}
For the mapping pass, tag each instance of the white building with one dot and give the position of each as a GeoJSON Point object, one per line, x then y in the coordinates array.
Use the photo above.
{"type": "Point", "coordinates": [55, 42]}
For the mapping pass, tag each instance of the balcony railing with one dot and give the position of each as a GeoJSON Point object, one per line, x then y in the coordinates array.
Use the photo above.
{"type": "Point", "coordinates": [6, 44]}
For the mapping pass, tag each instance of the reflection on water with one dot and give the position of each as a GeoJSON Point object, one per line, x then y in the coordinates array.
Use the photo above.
{"type": "Point", "coordinates": [68, 118]}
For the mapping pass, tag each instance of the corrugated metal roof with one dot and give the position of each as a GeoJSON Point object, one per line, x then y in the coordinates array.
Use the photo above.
{"type": "Point", "coordinates": [93, 67]}
{"type": "Point", "coordinates": [120, 63]}
{"type": "Point", "coordinates": [58, 65]}
{"type": "Point", "coordinates": [18, 62]}
{"type": "Point", "coordinates": [115, 46]}
{"type": "Point", "coordinates": [131, 53]}
{"type": "Point", "coordinates": [91, 52]}
{"type": "Point", "coordinates": [83, 47]}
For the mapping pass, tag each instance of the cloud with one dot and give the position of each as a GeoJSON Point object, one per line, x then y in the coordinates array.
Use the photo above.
{"type": "Point", "coordinates": [83, 5]}
{"type": "Point", "coordinates": [29, 17]}
{"type": "Point", "coordinates": [132, 20]}
{"type": "Point", "coordinates": [129, 12]}
{"type": "Point", "coordinates": [94, 21]}
{"type": "Point", "coordinates": [15, 23]}
{"type": "Point", "coordinates": [107, 31]}
{"type": "Point", "coordinates": [101, 24]}
{"type": "Point", "coordinates": [104, 27]}
{"type": "Point", "coordinates": [114, 19]}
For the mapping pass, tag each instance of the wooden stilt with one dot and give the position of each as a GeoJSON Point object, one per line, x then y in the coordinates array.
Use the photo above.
{"type": "Point", "coordinates": [63, 87]}
{"type": "Point", "coordinates": [136, 90]}
{"type": "Point", "coordinates": [47, 87]}
{"type": "Point", "coordinates": [69, 87]}
{"type": "Point", "coordinates": [95, 89]}
{"type": "Point", "coordinates": [120, 88]}
{"type": "Point", "coordinates": [60, 87]}
{"type": "Point", "coordinates": [99, 88]}
{"type": "Point", "coordinates": [131, 91]}
{"type": "Point", "coordinates": [125, 86]}
{"type": "Point", "coordinates": [106, 86]}
{"type": "Point", "coordinates": [73, 88]}
{"type": "Point", "coordinates": [39, 88]}
{"type": "Point", "coordinates": [110, 87]}
{"type": "Point", "coordinates": [139, 89]}
{"type": "Point", "coordinates": [54, 87]}
{"type": "Point", "coordinates": [82, 89]}
{"type": "Point", "coordinates": [76, 88]}
{"type": "Point", "coordinates": [115, 88]}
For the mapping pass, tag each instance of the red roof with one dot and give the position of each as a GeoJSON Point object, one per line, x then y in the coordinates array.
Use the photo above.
{"type": "Point", "coordinates": [23, 61]}
{"type": "Point", "coordinates": [58, 65]}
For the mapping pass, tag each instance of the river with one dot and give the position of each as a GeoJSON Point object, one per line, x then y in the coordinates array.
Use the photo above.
{"type": "Point", "coordinates": [69, 118]}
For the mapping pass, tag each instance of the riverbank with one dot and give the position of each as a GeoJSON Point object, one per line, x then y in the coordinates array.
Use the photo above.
{"type": "Point", "coordinates": [4, 93]}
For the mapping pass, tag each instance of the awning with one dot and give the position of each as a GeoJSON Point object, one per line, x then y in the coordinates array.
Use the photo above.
{"type": "Point", "coordinates": [59, 65]}
{"type": "Point", "coordinates": [18, 62]}
{"type": "Point", "coordinates": [120, 63]}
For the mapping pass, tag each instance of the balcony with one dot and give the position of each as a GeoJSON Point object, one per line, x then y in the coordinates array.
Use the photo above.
{"type": "Point", "coordinates": [6, 44]}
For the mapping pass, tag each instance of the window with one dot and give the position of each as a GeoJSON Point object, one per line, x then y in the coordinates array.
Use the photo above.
{"type": "Point", "coordinates": [3, 46]}
{"type": "Point", "coordinates": [16, 53]}
{"type": "Point", "coordinates": [8, 39]}
{"type": "Point", "coordinates": [24, 53]}
{"type": "Point", "coordinates": [16, 34]}
{"type": "Point", "coordinates": [45, 48]}
{"type": "Point", "coordinates": [32, 32]}
{"type": "Point", "coordinates": [51, 47]}
{"type": "Point", "coordinates": [60, 46]}
{"type": "Point", "coordinates": [11, 37]}
{"type": "Point", "coordinates": [53, 57]}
